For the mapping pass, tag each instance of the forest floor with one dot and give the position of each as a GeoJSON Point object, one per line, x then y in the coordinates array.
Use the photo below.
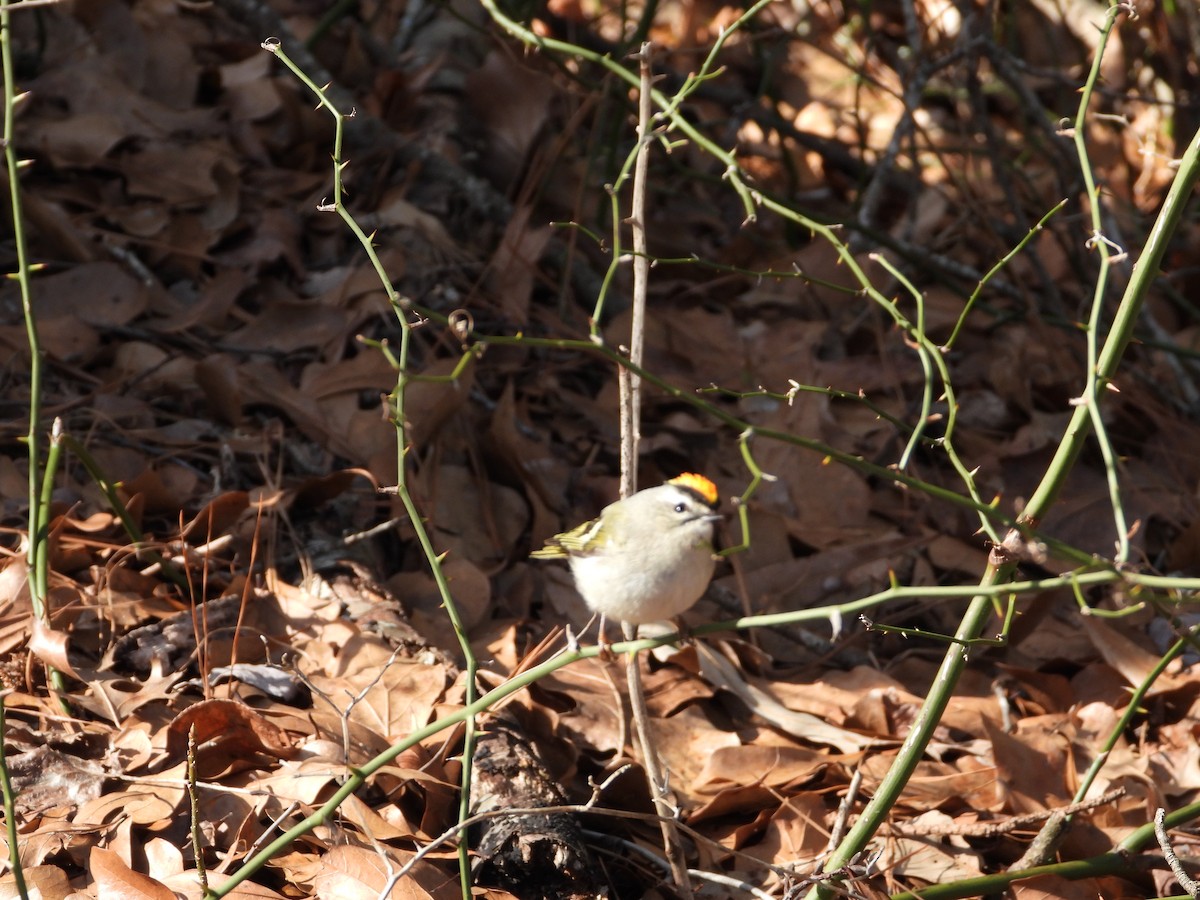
{"type": "Point", "coordinates": [219, 349]}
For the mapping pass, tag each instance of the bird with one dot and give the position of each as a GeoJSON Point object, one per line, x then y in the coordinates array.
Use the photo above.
{"type": "Point", "coordinates": [647, 557]}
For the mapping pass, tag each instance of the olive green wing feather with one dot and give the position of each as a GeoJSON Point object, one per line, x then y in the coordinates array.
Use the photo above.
{"type": "Point", "coordinates": [581, 539]}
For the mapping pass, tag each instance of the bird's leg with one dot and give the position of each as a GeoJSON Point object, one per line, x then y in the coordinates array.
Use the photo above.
{"type": "Point", "coordinates": [606, 653]}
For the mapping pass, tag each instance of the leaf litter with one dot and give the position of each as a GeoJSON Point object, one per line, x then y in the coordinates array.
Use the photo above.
{"type": "Point", "coordinates": [200, 318]}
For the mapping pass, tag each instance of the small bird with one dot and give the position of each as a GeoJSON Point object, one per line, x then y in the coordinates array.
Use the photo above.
{"type": "Point", "coordinates": [647, 557]}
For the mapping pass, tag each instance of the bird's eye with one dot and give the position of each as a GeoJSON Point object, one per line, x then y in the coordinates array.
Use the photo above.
{"type": "Point", "coordinates": [680, 507]}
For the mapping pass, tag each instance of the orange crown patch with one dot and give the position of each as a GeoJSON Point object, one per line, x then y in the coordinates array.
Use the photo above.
{"type": "Point", "coordinates": [698, 483]}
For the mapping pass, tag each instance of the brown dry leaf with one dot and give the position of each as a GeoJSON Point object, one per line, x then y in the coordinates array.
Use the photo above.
{"type": "Point", "coordinates": [167, 486]}
{"type": "Point", "coordinates": [933, 782]}
{"type": "Point", "coordinates": [260, 383]}
{"type": "Point", "coordinates": [55, 831]}
{"type": "Point", "coordinates": [274, 240]}
{"type": "Point", "coordinates": [718, 671]}
{"type": "Point", "coordinates": [786, 352]}
{"type": "Point", "coordinates": [173, 172]}
{"type": "Point", "coordinates": [163, 859]}
{"type": "Point", "coordinates": [430, 404]}
{"type": "Point", "coordinates": [781, 768]}
{"type": "Point", "coordinates": [1034, 766]}
{"type": "Point", "coordinates": [931, 861]}
{"type": "Point", "coordinates": [49, 882]}
{"type": "Point", "coordinates": [395, 210]}
{"type": "Point", "coordinates": [116, 881]}
{"type": "Point", "coordinates": [1177, 766]}
{"type": "Point", "coordinates": [48, 777]}
{"type": "Point", "coordinates": [63, 337]}
{"type": "Point", "coordinates": [673, 687]}
{"type": "Point", "coordinates": [187, 884]}
{"type": "Point", "coordinates": [229, 736]}
{"type": "Point", "coordinates": [509, 102]}
{"type": "Point", "coordinates": [475, 520]}
{"type": "Point", "coordinates": [1049, 630]}
{"type": "Point", "coordinates": [513, 269]}
{"type": "Point", "coordinates": [1134, 663]}
{"type": "Point", "coordinates": [288, 326]}
{"type": "Point", "coordinates": [215, 297]}
{"type": "Point", "coordinates": [358, 873]}
{"type": "Point", "coordinates": [315, 492]}
{"type": "Point", "coordinates": [394, 827]}
{"type": "Point", "coordinates": [589, 700]}
{"type": "Point", "coordinates": [251, 93]}
{"type": "Point", "coordinates": [150, 364]}
{"type": "Point", "coordinates": [305, 781]}
{"type": "Point", "coordinates": [833, 698]}
{"type": "Point", "coordinates": [730, 805]}
{"type": "Point", "coordinates": [954, 555]}
{"type": "Point", "coordinates": [686, 742]}
{"type": "Point", "coordinates": [860, 565]}
{"type": "Point", "coordinates": [366, 371]}
{"type": "Point", "coordinates": [14, 582]}
{"type": "Point", "coordinates": [398, 696]}
{"type": "Point", "coordinates": [51, 647]}
{"type": "Point", "coordinates": [219, 384]}
{"type": "Point", "coordinates": [81, 140]}
{"type": "Point", "coordinates": [101, 294]}
{"type": "Point", "coordinates": [142, 802]}
{"type": "Point", "coordinates": [683, 342]}
{"type": "Point", "coordinates": [123, 697]}
{"type": "Point", "coordinates": [794, 830]}
{"type": "Point", "coordinates": [1052, 887]}
{"type": "Point", "coordinates": [217, 517]}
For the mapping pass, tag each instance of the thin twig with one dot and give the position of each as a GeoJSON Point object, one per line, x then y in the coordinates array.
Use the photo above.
{"type": "Point", "coordinates": [838, 831]}
{"type": "Point", "coordinates": [1189, 885]}
{"type": "Point", "coordinates": [630, 435]}
{"type": "Point", "coordinates": [194, 801]}
{"type": "Point", "coordinates": [10, 813]}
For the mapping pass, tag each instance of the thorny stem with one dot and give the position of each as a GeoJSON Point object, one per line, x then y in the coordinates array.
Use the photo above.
{"type": "Point", "coordinates": [402, 309]}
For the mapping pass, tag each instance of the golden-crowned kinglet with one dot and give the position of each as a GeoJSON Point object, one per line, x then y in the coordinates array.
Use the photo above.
{"type": "Point", "coordinates": [647, 557]}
